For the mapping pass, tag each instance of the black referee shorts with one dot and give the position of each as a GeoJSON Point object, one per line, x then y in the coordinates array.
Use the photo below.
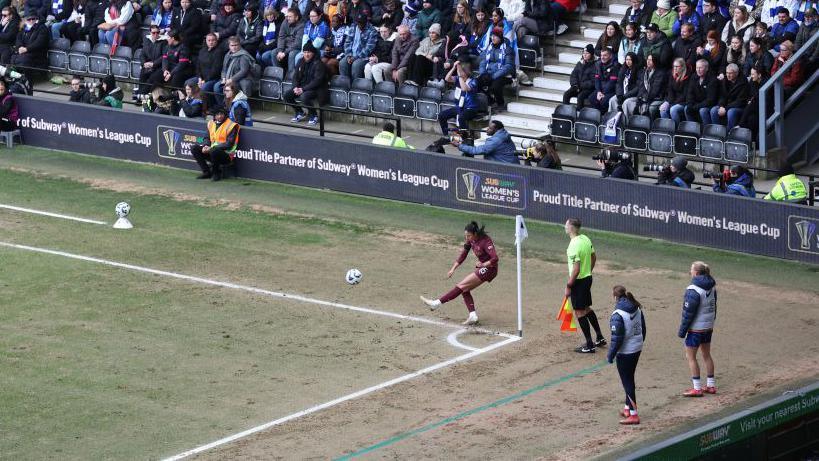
{"type": "Point", "coordinates": [581, 293]}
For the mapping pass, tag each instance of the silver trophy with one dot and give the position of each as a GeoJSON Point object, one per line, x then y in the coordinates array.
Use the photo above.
{"type": "Point", "coordinates": [171, 138]}
{"type": "Point", "coordinates": [806, 230]}
{"type": "Point", "coordinates": [471, 180]}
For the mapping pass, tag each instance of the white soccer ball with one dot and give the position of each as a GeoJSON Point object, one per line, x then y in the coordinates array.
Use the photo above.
{"type": "Point", "coordinates": [122, 209]}
{"type": "Point", "coordinates": [353, 276]}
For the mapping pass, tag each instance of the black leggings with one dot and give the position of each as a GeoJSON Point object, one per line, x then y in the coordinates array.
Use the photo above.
{"type": "Point", "coordinates": [217, 158]}
{"type": "Point", "coordinates": [626, 366]}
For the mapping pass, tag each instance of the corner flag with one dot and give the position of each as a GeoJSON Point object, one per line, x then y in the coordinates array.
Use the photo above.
{"type": "Point", "coordinates": [521, 233]}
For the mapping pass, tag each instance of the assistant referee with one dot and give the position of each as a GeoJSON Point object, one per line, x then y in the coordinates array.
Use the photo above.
{"type": "Point", "coordinates": [581, 257]}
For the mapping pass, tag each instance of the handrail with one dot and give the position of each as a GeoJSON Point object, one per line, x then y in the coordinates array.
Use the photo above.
{"type": "Point", "coordinates": [777, 119]}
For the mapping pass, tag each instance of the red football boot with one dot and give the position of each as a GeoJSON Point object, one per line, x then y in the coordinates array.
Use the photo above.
{"type": "Point", "coordinates": [693, 393]}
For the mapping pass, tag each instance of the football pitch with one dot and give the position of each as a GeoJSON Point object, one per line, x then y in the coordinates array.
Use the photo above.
{"type": "Point", "coordinates": [221, 326]}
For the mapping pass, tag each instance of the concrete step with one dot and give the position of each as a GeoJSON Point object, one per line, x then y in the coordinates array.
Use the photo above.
{"type": "Point", "coordinates": [618, 9]}
{"type": "Point", "coordinates": [544, 96]}
{"type": "Point", "coordinates": [559, 69]}
{"type": "Point", "coordinates": [536, 124]}
{"type": "Point", "coordinates": [519, 135]}
{"type": "Point", "coordinates": [560, 84]}
{"type": "Point", "coordinates": [568, 58]}
{"type": "Point", "coordinates": [592, 33]}
{"type": "Point", "coordinates": [527, 109]}
{"type": "Point", "coordinates": [604, 19]}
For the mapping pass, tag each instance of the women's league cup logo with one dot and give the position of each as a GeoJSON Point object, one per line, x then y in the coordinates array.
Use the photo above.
{"type": "Point", "coordinates": [471, 180]}
{"type": "Point", "coordinates": [171, 139]}
{"type": "Point", "coordinates": [806, 229]}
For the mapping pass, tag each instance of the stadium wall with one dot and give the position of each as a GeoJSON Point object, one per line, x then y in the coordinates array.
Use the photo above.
{"type": "Point", "coordinates": [687, 216]}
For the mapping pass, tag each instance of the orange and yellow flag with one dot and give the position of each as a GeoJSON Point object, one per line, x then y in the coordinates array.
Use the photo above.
{"type": "Point", "coordinates": [565, 315]}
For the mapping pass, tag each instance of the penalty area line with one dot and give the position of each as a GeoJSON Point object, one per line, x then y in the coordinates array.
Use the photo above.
{"type": "Point", "coordinates": [50, 214]}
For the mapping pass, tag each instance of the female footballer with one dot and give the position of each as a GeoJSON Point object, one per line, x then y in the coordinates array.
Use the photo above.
{"type": "Point", "coordinates": [628, 331]}
{"type": "Point", "coordinates": [486, 270]}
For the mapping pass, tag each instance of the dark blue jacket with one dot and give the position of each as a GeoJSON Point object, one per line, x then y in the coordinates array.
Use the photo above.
{"type": "Point", "coordinates": [743, 186]}
{"type": "Point", "coordinates": [605, 77]}
{"type": "Point", "coordinates": [692, 302]}
{"type": "Point", "coordinates": [497, 148]}
{"type": "Point", "coordinates": [618, 327]}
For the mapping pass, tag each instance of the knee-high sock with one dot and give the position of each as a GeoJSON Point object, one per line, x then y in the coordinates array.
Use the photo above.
{"type": "Point", "coordinates": [450, 295]}
{"type": "Point", "coordinates": [594, 323]}
{"type": "Point", "coordinates": [470, 303]}
{"type": "Point", "coordinates": [584, 325]}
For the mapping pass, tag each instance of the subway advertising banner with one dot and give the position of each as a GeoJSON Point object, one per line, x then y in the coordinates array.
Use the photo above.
{"type": "Point", "coordinates": [695, 217]}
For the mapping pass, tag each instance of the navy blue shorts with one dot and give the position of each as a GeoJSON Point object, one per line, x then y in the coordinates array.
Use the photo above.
{"type": "Point", "coordinates": [695, 338]}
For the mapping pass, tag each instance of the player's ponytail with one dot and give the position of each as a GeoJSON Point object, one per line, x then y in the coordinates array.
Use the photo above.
{"type": "Point", "coordinates": [474, 228]}
{"type": "Point", "coordinates": [619, 291]}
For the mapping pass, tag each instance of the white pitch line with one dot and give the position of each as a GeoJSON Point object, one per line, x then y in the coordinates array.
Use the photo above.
{"type": "Point", "coordinates": [53, 215]}
{"type": "Point", "coordinates": [453, 339]}
{"type": "Point", "coordinates": [331, 403]}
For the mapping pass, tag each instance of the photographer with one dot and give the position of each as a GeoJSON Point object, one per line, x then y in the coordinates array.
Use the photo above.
{"type": "Point", "coordinates": [677, 174]}
{"type": "Point", "coordinates": [108, 93]}
{"type": "Point", "coordinates": [543, 154]}
{"type": "Point", "coordinates": [497, 148]}
{"type": "Point", "coordinates": [79, 91]}
{"type": "Point", "coordinates": [615, 164]}
{"type": "Point", "coordinates": [736, 181]}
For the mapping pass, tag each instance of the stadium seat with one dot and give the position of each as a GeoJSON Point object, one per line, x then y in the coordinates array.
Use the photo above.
{"type": "Point", "coordinates": [287, 83]}
{"type": "Point", "coordinates": [136, 64]}
{"type": "Point", "coordinates": [427, 106]}
{"type": "Point", "coordinates": [635, 136]}
{"type": "Point", "coordinates": [339, 87]}
{"type": "Point", "coordinates": [121, 62]}
{"type": "Point", "coordinates": [661, 137]}
{"type": "Point", "coordinates": [78, 57]}
{"type": "Point", "coordinates": [738, 145]}
{"type": "Point", "coordinates": [360, 94]}
{"type": "Point", "coordinates": [563, 121]}
{"type": "Point", "coordinates": [686, 138]}
{"type": "Point", "coordinates": [270, 85]}
{"type": "Point", "coordinates": [99, 63]}
{"type": "Point", "coordinates": [529, 53]}
{"type": "Point", "coordinates": [447, 101]}
{"type": "Point", "coordinates": [585, 128]}
{"type": "Point", "coordinates": [404, 101]}
{"type": "Point", "coordinates": [382, 97]}
{"type": "Point", "coordinates": [618, 137]}
{"type": "Point", "coordinates": [712, 142]}
{"type": "Point", "coordinates": [58, 54]}
{"type": "Point", "coordinates": [146, 22]}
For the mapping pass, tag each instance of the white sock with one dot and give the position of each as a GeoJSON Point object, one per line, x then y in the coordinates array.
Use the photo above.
{"type": "Point", "coordinates": [697, 384]}
{"type": "Point", "coordinates": [632, 412]}
{"type": "Point", "coordinates": [711, 382]}
{"type": "Point", "coordinates": [625, 407]}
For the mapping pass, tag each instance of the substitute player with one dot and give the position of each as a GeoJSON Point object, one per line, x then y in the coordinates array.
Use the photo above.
{"type": "Point", "coordinates": [697, 325]}
{"type": "Point", "coordinates": [628, 331]}
{"type": "Point", "coordinates": [486, 270]}
{"type": "Point", "coordinates": [580, 254]}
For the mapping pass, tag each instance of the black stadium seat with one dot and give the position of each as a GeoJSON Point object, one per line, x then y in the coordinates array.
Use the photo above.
{"type": "Point", "coordinates": [339, 87]}
{"type": "Point", "coordinates": [404, 101]}
{"type": "Point", "coordinates": [635, 136]}
{"type": "Point", "coordinates": [738, 145]}
{"type": "Point", "coordinates": [382, 96]}
{"type": "Point", "coordinates": [78, 57]}
{"type": "Point", "coordinates": [98, 62]}
{"type": "Point", "coordinates": [359, 95]}
{"type": "Point", "coordinates": [661, 137]}
{"type": "Point", "coordinates": [136, 64]}
{"type": "Point", "coordinates": [121, 62]}
{"type": "Point", "coordinates": [270, 85]}
{"type": "Point", "coordinates": [58, 54]}
{"type": "Point", "coordinates": [529, 53]}
{"type": "Point", "coordinates": [712, 142]}
{"type": "Point", "coordinates": [686, 138]}
{"type": "Point", "coordinates": [585, 128]}
{"type": "Point", "coordinates": [287, 83]}
{"type": "Point", "coordinates": [447, 101]}
{"type": "Point", "coordinates": [427, 105]}
{"type": "Point", "coordinates": [563, 121]}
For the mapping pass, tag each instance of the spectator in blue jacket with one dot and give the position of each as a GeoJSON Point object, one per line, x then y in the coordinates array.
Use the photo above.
{"type": "Point", "coordinates": [605, 80]}
{"type": "Point", "coordinates": [687, 15]}
{"type": "Point", "coordinates": [496, 68]}
{"type": "Point", "coordinates": [697, 325]}
{"type": "Point", "coordinates": [316, 31]}
{"type": "Point", "coordinates": [467, 107]}
{"type": "Point", "coordinates": [628, 332]}
{"type": "Point", "coordinates": [783, 30]}
{"type": "Point", "coordinates": [497, 148]}
{"type": "Point", "coordinates": [358, 47]}
{"type": "Point", "coordinates": [739, 181]}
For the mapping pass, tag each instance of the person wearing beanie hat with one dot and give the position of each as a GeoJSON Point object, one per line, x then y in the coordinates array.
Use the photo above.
{"type": "Point", "coordinates": [218, 147]}
{"type": "Point", "coordinates": [809, 27]}
{"type": "Point", "coordinates": [309, 85]}
{"type": "Point", "coordinates": [676, 174]}
{"type": "Point", "coordinates": [358, 47]}
{"type": "Point", "coordinates": [225, 22]}
{"type": "Point", "coordinates": [657, 44]}
{"type": "Point", "coordinates": [428, 55]}
{"type": "Point", "coordinates": [581, 81]}
{"type": "Point", "coordinates": [497, 68]}
{"type": "Point", "coordinates": [664, 17]}
{"type": "Point", "coordinates": [250, 29]}
{"type": "Point", "coordinates": [428, 17]}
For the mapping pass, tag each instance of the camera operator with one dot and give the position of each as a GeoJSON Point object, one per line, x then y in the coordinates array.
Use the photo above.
{"type": "Point", "coordinates": [677, 174]}
{"type": "Point", "coordinates": [735, 181]}
{"type": "Point", "coordinates": [542, 154]}
{"type": "Point", "coordinates": [108, 93]}
{"type": "Point", "coordinates": [615, 164]}
{"type": "Point", "coordinates": [79, 91]}
{"type": "Point", "coordinates": [497, 148]}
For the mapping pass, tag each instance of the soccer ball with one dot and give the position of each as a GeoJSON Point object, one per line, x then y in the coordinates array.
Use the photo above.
{"type": "Point", "coordinates": [353, 276]}
{"type": "Point", "coordinates": [122, 209]}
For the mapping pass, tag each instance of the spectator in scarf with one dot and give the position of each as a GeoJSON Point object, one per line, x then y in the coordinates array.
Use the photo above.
{"type": "Point", "coordinates": [626, 82]}
{"type": "Point", "coordinates": [496, 69]}
{"type": "Point", "coordinates": [163, 16]}
{"type": "Point", "coordinates": [316, 31]}
{"type": "Point", "coordinates": [58, 16]}
{"type": "Point", "coordinates": [269, 32]}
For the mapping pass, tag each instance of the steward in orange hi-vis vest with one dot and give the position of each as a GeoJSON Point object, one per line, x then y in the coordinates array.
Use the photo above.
{"type": "Point", "coordinates": [220, 146]}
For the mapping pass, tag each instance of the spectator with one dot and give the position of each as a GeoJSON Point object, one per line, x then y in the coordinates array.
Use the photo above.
{"type": "Point", "coordinates": [512, 10]}
{"type": "Point", "coordinates": [356, 8]}
{"type": "Point", "coordinates": [561, 8]}
{"type": "Point", "coordinates": [605, 81]}
{"type": "Point", "coordinates": [309, 84]}
{"type": "Point", "coordinates": [289, 41]}
{"type": "Point", "coordinates": [153, 50]}
{"type": "Point", "coordinates": [379, 67]}
{"type": "Point", "coordinates": [687, 44]}
{"type": "Point", "coordinates": [39, 8]}
{"type": "Point", "coordinates": [498, 21]}
{"type": "Point", "coordinates": [638, 14]}
{"type": "Point", "coordinates": [545, 155]}
{"type": "Point", "coordinates": [616, 165]}
{"type": "Point", "coordinates": [631, 42]}
{"type": "Point", "coordinates": [750, 115]}
{"type": "Point", "coordinates": [677, 174]}
{"type": "Point", "coordinates": [610, 38]}
{"type": "Point", "coordinates": [457, 48]}
{"type": "Point", "coordinates": [58, 15]}
{"type": "Point", "coordinates": [657, 44]}
{"type": "Point", "coordinates": [426, 18]}
{"type": "Point", "coordinates": [802, 9]}
{"type": "Point", "coordinates": [78, 26]}
{"type": "Point", "coordinates": [79, 93]}
{"type": "Point", "coordinates": [226, 22]}
{"type": "Point", "coordinates": [9, 114]}
{"type": "Point", "coordinates": [480, 26]}
{"type": "Point", "coordinates": [794, 77]}
{"type": "Point", "coordinates": [219, 147]}
{"type": "Point", "coordinates": [712, 19]}
{"type": "Point", "coordinates": [733, 97]}
{"type": "Point", "coordinates": [674, 105]}
{"type": "Point", "coordinates": [332, 8]}
{"type": "Point", "coordinates": [742, 25]}
{"type": "Point", "coordinates": [403, 50]}
{"type": "Point", "coordinates": [770, 9]}
{"type": "Point", "coordinates": [188, 21]}
{"type": "Point", "coordinates": [496, 69]}
{"type": "Point", "coordinates": [410, 16]}
{"type": "Point", "coordinates": [421, 63]}
{"type": "Point", "coordinates": [250, 29]}
{"type": "Point", "coordinates": [110, 95]}
{"type": "Point", "coordinates": [391, 14]}
{"type": "Point", "coordinates": [783, 30]}
{"type": "Point", "coordinates": [713, 51]}
{"type": "Point", "coordinates": [120, 25]}
{"type": "Point", "coordinates": [176, 63]}
{"type": "Point", "coordinates": [270, 28]}
{"type": "Point", "coordinates": [209, 67]}
{"type": "Point", "coordinates": [316, 31]}
{"type": "Point", "coordinates": [334, 47]}
{"type": "Point", "coordinates": [788, 188]}
{"type": "Point", "coordinates": [687, 15]}
{"type": "Point", "coordinates": [237, 68]}
{"type": "Point", "coordinates": [761, 32]}
{"type": "Point", "coordinates": [651, 87]}
{"type": "Point", "coordinates": [238, 106]}
{"type": "Point", "coordinates": [163, 16]}
{"type": "Point", "coordinates": [536, 19]}
{"type": "Point", "coordinates": [581, 81]}
{"type": "Point", "coordinates": [31, 46]}
{"type": "Point", "coordinates": [466, 108]}
{"type": "Point", "coordinates": [387, 137]}
{"type": "Point", "coordinates": [462, 19]}
{"type": "Point", "coordinates": [190, 104]}
{"type": "Point", "coordinates": [739, 181]}
{"type": "Point", "coordinates": [736, 53]}
{"type": "Point", "coordinates": [9, 27]}
{"type": "Point", "coordinates": [96, 16]}
{"type": "Point", "coordinates": [703, 93]}
{"type": "Point", "coordinates": [626, 83]}
{"type": "Point", "coordinates": [757, 57]}
{"type": "Point", "coordinates": [358, 47]}
{"type": "Point", "coordinates": [806, 31]}
{"type": "Point", "coordinates": [498, 146]}
{"type": "Point", "coordinates": [665, 18]}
